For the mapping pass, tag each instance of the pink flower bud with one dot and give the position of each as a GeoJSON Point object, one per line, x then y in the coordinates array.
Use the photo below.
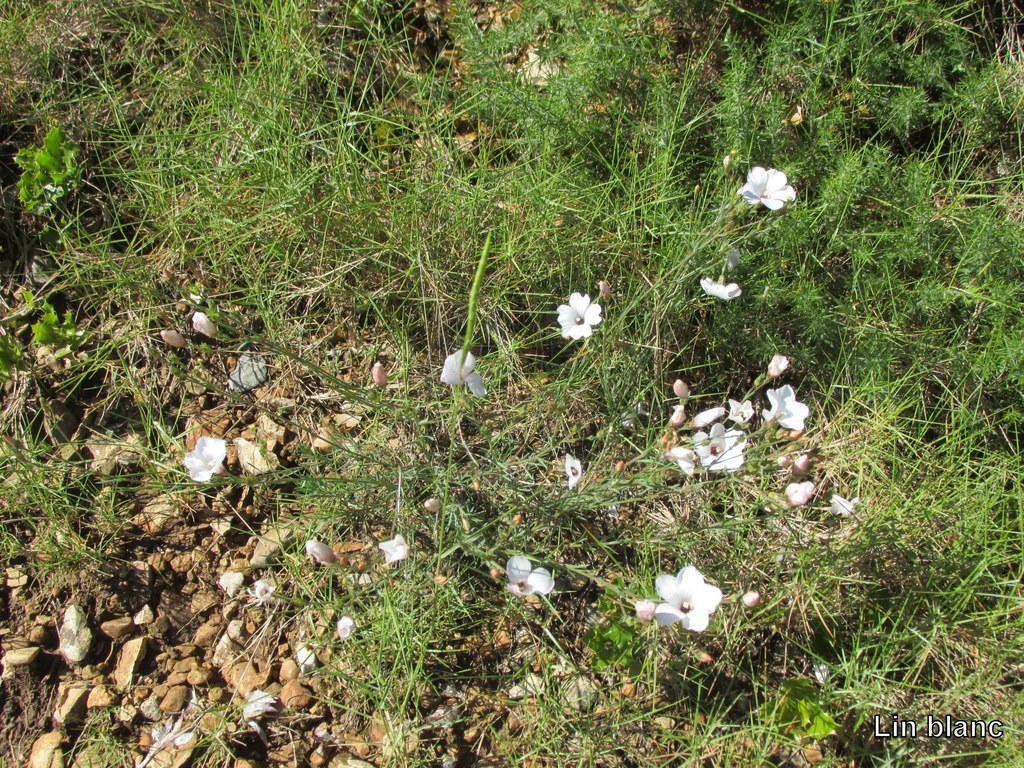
{"type": "Point", "coordinates": [201, 323]}
{"type": "Point", "coordinates": [784, 461]}
{"type": "Point", "coordinates": [432, 505]}
{"type": "Point", "coordinates": [320, 552]}
{"type": "Point", "coordinates": [726, 163]}
{"type": "Point", "coordinates": [379, 375]}
{"type": "Point", "coordinates": [174, 338]}
{"type": "Point", "coordinates": [604, 289]}
{"type": "Point", "coordinates": [645, 610]}
{"type": "Point", "coordinates": [751, 599]}
{"type": "Point", "coordinates": [801, 464]}
{"type": "Point", "coordinates": [681, 388]}
{"type": "Point", "coordinates": [777, 365]}
{"type": "Point", "coordinates": [678, 417]}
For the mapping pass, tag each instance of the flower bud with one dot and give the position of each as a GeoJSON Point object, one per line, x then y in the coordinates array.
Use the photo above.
{"type": "Point", "coordinates": [604, 289]}
{"type": "Point", "coordinates": [320, 552]}
{"type": "Point", "coordinates": [681, 389]}
{"type": "Point", "coordinates": [174, 338]}
{"type": "Point", "coordinates": [801, 464]}
{"type": "Point", "coordinates": [201, 323]}
{"type": "Point", "coordinates": [777, 365]}
{"type": "Point", "coordinates": [678, 417]}
{"type": "Point", "coordinates": [645, 610]}
{"type": "Point", "coordinates": [726, 163]}
{"type": "Point", "coordinates": [379, 375]}
{"type": "Point", "coordinates": [784, 461]}
{"type": "Point", "coordinates": [346, 624]}
{"type": "Point", "coordinates": [751, 599]}
{"type": "Point", "coordinates": [432, 505]}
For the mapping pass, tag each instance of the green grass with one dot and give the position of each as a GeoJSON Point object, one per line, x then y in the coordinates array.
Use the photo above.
{"type": "Point", "coordinates": [325, 178]}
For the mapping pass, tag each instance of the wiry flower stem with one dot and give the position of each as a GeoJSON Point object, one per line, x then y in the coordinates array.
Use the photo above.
{"type": "Point", "coordinates": [474, 292]}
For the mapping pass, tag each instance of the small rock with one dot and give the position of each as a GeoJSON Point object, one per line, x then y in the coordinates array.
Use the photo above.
{"type": "Point", "coordinates": [16, 579]}
{"type": "Point", "coordinates": [294, 695]}
{"type": "Point", "coordinates": [250, 371]}
{"type": "Point", "coordinates": [578, 693]}
{"type": "Point", "coordinates": [75, 635]}
{"type": "Point", "coordinates": [46, 752]}
{"type": "Point", "coordinates": [102, 696]}
{"type": "Point", "coordinates": [289, 671]}
{"type": "Point", "coordinates": [231, 582]}
{"type": "Point", "coordinates": [175, 700]}
{"type": "Point", "coordinates": [236, 631]}
{"type": "Point", "coordinates": [207, 634]}
{"type": "Point", "coordinates": [119, 627]}
{"type": "Point", "coordinates": [143, 617]}
{"type": "Point", "coordinates": [199, 677]}
{"type": "Point", "coordinates": [71, 700]}
{"type": "Point", "coordinates": [150, 708]}
{"type": "Point", "coordinates": [246, 677]}
{"type": "Point", "coordinates": [269, 545]}
{"type": "Point", "coordinates": [227, 650]}
{"type": "Point", "coordinates": [19, 657]}
{"type": "Point", "coordinates": [253, 459]}
{"type": "Point", "coordinates": [159, 514]}
{"type": "Point", "coordinates": [132, 654]}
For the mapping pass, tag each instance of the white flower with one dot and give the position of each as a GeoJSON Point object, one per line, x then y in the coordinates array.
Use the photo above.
{"type": "Point", "coordinates": [645, 610]}
{"type": "Point", "coordinates": [257, 704]}
{"type": "Point", "coordinates": [768, 187]}
{"type": "Point", "coordinates": [844, 507]}
{"type": "Point", "coordinates": [346, 625]}
{"type": "Point", "coordinates": [394, 550]}
{"type": "Point", "coordinates": [708, 417]}
{"type": "Point", "coordinates": [573, 470]}
{"type": "Point", "coordinates": [306, 657]}
{"type": "Point", "coordinates": [171, 733]}
{"type": "Point", "coordinates": [739, 412]}
{"type": "Point", "coordinates": [201, 323]}
{"type": "Point", "coordinates": [579, 316]}
{"type": "Point", "coordinates": [684, 457]}
{"type": "Point", "coordinates": [524, 580]}
{"type": "Point", "coordinates": [719, 291]}
{"type": "Point", "coordinates": [821, 672]}
{"type": "Point", "coordinates": [777, 365]}
{"type": "Point", "coordinates": [320, 552]}
{"type": "Point", "coordinates": [261, 592]}
{"type": "Point", "coordinates": [789, 412]}
{"type": "Point", "coordinates": [452, 376]}
{"type": "Point", "coordinates": [721, 450]}
{"type": "Point", "coordinates": [688, 599]}
{"type": "Point", "coordinates": [206, 459]}
{"type": "Point", "coordinates": [799, 493]}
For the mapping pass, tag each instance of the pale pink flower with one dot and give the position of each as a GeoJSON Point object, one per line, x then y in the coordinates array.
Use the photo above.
{"type": "Point", "coordinates": [206, 459]}
{"type": "Point", "coordinates": [320, 552]}
{"type": "Point", "coordinates": [799, 494]}
{"type": "Point", "coordinates": [777, 365]}
{"type": "Point", "coordinates": [719, 291]}
{"type": "Point", "coordinates": [767, 187]}
{"type": "Point", "coordinates": [525, 580]}
{"type": "Point", "coordinates": [579, 316]}
{"type": "Point", "coordinates": [688, 599]}
{"type": "Point", "coordinates": [645, 610]}
{"type": "Point", "coordinates": [395, 550]}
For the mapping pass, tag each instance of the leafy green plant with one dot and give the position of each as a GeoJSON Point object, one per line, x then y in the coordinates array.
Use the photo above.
{"type": "Point", "coordinates": [10, 357]}
{"type": "Point", "coordinates": [61, 334]}
{"type": "Point", "coordinates": [48, 173]}
{"type": "Point", "coordinates": [798, 711]}
{"type": "Point", "coordinates": [615, 642]}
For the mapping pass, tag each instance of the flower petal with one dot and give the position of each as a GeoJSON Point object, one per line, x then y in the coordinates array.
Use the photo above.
{"type": "Point", "coordinates": [518, 569]}
{"type": "Point", "coordinates": [668, 614]}
{"type": "Point", "coordinates": [541, 581]}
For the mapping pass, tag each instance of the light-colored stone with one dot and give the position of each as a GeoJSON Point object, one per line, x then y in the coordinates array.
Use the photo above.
{"type": "Point", "coordinates": [132, 654]}
{"type": "Point", "coordinates": [143, 617]}
{"type": "Point", "coordinates": [578, 693]}
{"type": "Point", "coordinates": [295, 696]}
{"type": "Point", "coordinates": [159, 514]}
{"type": "Point", "coordinates": [289, 671]}
{"type": "Point", "coordinates": [231, 582]}
{"type": "Point", "coordinates": [269, 544]}
{"type": "Point", "coordinates": [253, 459]}
{"type": "Point", "coordinates": [71, 701]}
{"type": "Point", "coordinates": [75, 635]}
{"type": "Point", "coordinates": [46, 752]}
{"type": "Point", "coordinates": [101, 696]}
{"type": "Point", "coordinates": [226, 652]}
{"type": "Point", "coordinates": [20, 657]}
